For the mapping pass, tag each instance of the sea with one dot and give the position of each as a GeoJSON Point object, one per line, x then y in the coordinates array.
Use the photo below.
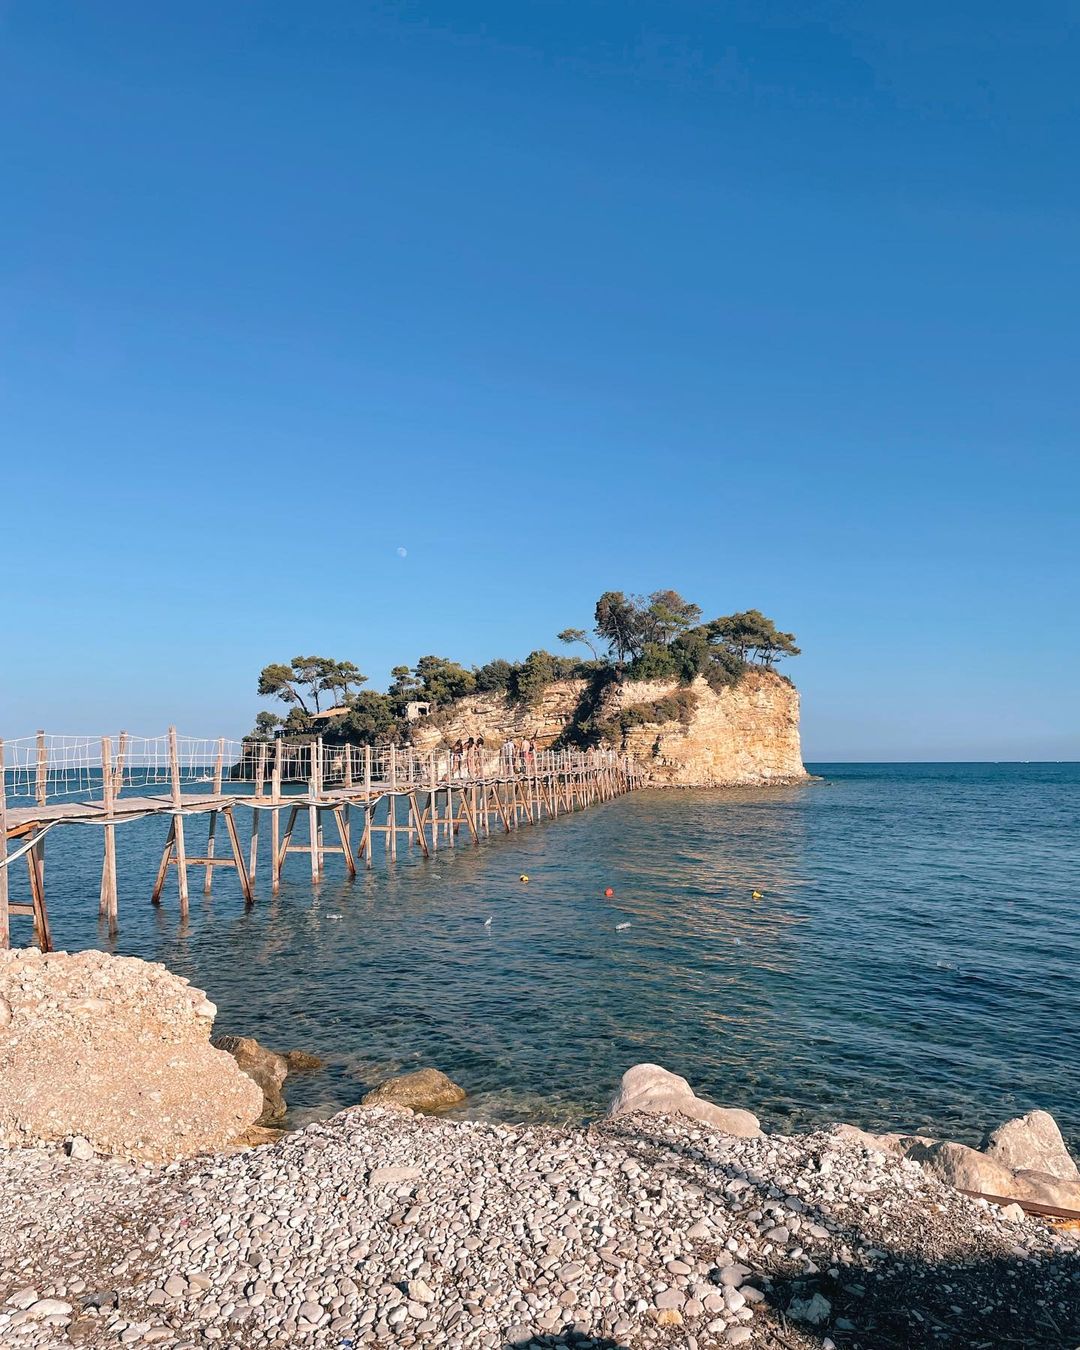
{"type": "Point", "coordinates": [892, 945]}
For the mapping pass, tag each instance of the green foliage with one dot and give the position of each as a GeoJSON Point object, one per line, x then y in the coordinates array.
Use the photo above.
{"type": "Point", "coordinates": [495, 677]}
{"type": "Point", "coordinates": [433, 679]}
{"type": "Point", "coordinates": [724, 667]}
{"type": "Point", "coordinates": [532, 677]}
{"type": "Point", "coordinates": [653, 662]}
{"type": "Point", "coordinates": [298, 722]}
{"type": "Point", "coordinates": [265, 725]}
{"type": "Point", "coordinates": [678, 706]}
{"type": "Point", "coordinates": [371, 720]}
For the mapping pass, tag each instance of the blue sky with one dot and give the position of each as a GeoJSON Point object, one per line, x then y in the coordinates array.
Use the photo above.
{"type": "Point", "coordinates": [774, 304]}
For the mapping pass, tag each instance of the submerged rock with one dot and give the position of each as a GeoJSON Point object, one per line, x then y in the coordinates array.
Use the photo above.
{"type": "Point", "coordinates": [423, 1090]}
{"type": "Point", "coordinates": [656, 1091]}
{"type": "Point", "coordinates": [302, 1061]}
{"type": "Point", "coordinates": [265, 1067]}
{"type": "Point", "coordinates": [1032, 1143]}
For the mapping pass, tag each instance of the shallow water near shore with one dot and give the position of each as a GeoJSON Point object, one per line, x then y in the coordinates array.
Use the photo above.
{"type": "Point", "coordinates": [912, 962]}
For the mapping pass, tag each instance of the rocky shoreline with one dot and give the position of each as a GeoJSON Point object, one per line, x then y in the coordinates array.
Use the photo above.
{"type": "Point", "coordinates": [673, 1222]}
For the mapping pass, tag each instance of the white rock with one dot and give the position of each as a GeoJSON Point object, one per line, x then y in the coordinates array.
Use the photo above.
{"type": "Point", "coordinates": [653, 1090]}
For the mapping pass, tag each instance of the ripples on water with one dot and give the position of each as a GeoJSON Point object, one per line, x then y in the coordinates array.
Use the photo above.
{"type": "Point", "coordinates": [912, 963]}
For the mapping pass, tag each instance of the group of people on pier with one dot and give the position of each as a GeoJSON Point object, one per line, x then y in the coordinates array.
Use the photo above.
{"type": "Point", "coordinates": [467, 757]}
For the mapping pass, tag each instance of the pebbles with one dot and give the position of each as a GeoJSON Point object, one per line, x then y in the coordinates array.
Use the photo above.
{"type": "Point", "coordinates": [381, 1228]}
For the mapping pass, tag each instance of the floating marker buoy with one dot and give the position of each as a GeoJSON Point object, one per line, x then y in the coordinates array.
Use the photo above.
{"type": "Point", "coordinates": [756, 895]}
{"type": "Point", "coordinates": [609, 892]}
{"type": "Point", "coordinates": [523, 877]}
{"type": "Point", "coordinates": [620, 926]}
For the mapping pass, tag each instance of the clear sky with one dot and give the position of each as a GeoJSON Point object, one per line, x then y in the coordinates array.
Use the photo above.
{"type": "Point", "coordinates": [775, 304]}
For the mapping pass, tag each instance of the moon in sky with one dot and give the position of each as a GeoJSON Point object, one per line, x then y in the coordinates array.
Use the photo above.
{"type": "Point", "coordinates": [403, 552]}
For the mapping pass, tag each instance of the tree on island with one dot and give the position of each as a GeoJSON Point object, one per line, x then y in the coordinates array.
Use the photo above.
{"type": "Point", "coordinates": [572, 635]}
{"type": "Point", "coordinates": [316, 675]}
{"type": "Point", "coordinates": [751, 635]}
{"type": "Point", "coordinates": [661, 636]}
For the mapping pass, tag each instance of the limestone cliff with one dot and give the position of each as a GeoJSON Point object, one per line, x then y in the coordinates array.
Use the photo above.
{"type": "Point", "coordinates": [745, 734]}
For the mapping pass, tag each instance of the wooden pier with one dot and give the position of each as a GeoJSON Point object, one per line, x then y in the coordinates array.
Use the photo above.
{"type": "Point", "coordinates": [343, 798]}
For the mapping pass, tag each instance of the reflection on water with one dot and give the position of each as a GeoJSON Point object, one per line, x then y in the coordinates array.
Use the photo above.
{"type": "Point", "coordinates": [911, 962]}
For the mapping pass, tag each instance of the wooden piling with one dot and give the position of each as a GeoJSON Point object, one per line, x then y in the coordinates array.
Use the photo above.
{"type": "Point", "coordinates": [256, 814]}
{"type": "Point", "coordinates": [275, 821]}
{"type": "Point", "coordinates": [314, 790]}
{"type": "Point", "coordinates": [211, 828]}
{"type": "Point", "coordinates": [107, 902]}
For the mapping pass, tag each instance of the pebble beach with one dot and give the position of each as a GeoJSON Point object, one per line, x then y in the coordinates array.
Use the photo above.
{"type": "Point", "coordinates": [386, 1228]}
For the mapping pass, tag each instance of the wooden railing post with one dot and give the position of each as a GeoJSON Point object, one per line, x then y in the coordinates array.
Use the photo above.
{"type": "Point", "coordinates": [42, 781]}
{"type": "Point", "coordinates": [275, 820]}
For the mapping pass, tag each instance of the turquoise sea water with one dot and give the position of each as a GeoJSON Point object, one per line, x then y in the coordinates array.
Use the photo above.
{"type": "Point", "coordinates": [914, 962]}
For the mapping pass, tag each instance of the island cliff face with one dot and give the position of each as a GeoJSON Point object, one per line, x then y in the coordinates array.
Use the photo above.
{"type": "Point", "coordinates": [680, 736]}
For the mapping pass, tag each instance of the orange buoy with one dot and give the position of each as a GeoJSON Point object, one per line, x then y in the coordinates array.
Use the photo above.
{"type": "Point", "coordinates": [609, 892]}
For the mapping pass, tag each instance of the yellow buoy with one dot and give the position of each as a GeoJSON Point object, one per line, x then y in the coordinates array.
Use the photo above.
{"type": "Point", "coordinates": [756, 895]}
{"type": "Point", "coordinates": [523, 877]}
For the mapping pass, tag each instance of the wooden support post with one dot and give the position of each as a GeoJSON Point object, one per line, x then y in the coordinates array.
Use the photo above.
{"type": "Point", "coordinates": [365, 847]}
{"type": "Point", "coordinates": [211, 829]}
{"type": "Point", "coordinates": [290, 823]}
{"type": "Point", "coordinates": [421, 837]}
{"type": "Point", "coordinates": [107, 903]}
{"type": "Point", "coordinates": [467, 810]}
{"type": "Point", "coordinates": [5, 922]}
{"type": "Point", "coordinates": [433, 778]}
{"type": "Point", "coordinates": [275, 821]}
{"type": "Point", "coordinates": [178, 823]}
{"type": "Point", "coordinates": [256, 814]}
{"type": "Point", "coordinates": [391, 809]}
{"type": "Point", "coordinates": [41, 784]}
{"type": "Point", "coordinates": [35, 861]}
{"type": "Point", "coordinates": [314, 788]}
{"type": "Point", "coordinates": [163, 866]}
{"type": "Point", "coordinates": [341, 819]}
{"type": "Point", "coordinates": [238, 856]}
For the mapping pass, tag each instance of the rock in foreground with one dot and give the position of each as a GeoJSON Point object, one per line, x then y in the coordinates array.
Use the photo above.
{"type": "Point", "coordinates": [423, 1090]}
{"type": "Point", "coordinates": [651, 1089]}
{"type": "Point", "coordinates": [265, 1067]}
{"type": "Point", "coordinates": [385, 1229]}
{"type": "Point", "coordinates": [115, 1051]}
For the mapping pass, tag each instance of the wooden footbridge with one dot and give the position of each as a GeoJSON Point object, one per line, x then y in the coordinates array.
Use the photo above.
{"type": "Point", "coordinates": [347, 797]}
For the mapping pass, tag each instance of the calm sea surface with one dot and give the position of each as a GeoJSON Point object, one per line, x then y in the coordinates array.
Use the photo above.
{"type": "Point", "coordinates": [914, 962]}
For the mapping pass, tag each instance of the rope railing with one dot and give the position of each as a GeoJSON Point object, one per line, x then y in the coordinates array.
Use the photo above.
{"type": "Point", "coordinates": [49, 768]}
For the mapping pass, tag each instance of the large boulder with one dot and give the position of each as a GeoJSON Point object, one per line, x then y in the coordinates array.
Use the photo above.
{"type": "Point", "coordinates": [655, 1091]}
{"type": "Point", "coordinates": [965, 1168]}
{"type": "Point", "coordinates": [422, 1090]}
{"type": "Point", "coordinates": [115, 1051]}
{"type": "Point", "coordinates": [262, 1066]}
{"type": "Point", "coordinates": [1046, 1189]}
{"type": "Point", "coordinates": [1032, 1143]}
